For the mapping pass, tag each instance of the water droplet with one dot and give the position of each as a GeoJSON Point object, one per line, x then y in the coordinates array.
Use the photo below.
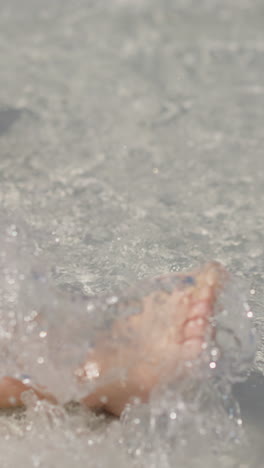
{"type": "Point", "coordinates": [12, 400]}
{"type": "Point", "coordinates": [91, 370]}
{"type": "Point", "coordinates": [136, 421]}
{"type": "Point", "coordinates": [25, 379]}
{"type": "Point", "coordinates": [112, 300]}
{"type": "Point", "coordinates": [104, 399]}
{"type": "Point", "coordinates": [43, 334]}
{"type": "Point", "coordinates": [215, 352]}
{"type": "Point", "coordinates": [90, 307]}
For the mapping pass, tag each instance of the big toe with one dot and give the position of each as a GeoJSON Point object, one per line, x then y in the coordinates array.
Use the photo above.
{"type": "Point", "coordinates": [191, 348]}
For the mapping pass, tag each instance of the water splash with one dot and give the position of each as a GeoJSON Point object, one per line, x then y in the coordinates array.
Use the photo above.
{"type": "Point", "coordinates": [46, 333]}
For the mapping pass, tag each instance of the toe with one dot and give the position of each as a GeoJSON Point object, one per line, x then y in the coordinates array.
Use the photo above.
{"type": "Point", "coordinates": [191, 348]}
{"type": "Point", "coordinates": [200, 309]}
{"type": "Point", "coordinates": [195, 328]}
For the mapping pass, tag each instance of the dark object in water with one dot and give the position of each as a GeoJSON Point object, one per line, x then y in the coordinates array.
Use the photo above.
{"type": "Point", "coordinates": [8, 116]}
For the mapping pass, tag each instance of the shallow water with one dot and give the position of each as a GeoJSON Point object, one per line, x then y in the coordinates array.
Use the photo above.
{"type": "Point", "coordinates": [131, 143]}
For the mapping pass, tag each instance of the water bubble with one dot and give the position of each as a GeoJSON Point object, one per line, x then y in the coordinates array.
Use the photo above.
{"type": "Point", "coordinates": [92, 370]}
{"type": "Point", "coordinates": [12, 400]}
{"type": "Point", "coordinates": [112, 300]}
{"type": "Point", "coordinates": [215, 352]}
{"type": "Point", "coordinates": [43, 334]}
{"type": "Point", "coordinates": [104, 399]}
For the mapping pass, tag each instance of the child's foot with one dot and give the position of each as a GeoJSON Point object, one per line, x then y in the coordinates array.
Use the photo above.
{"type": "Point", "coordinates": [12, 390]}
{"type": "Point", "coordinates": [151, 346]}
{"type": "Point", "coordinates": [141, 350]}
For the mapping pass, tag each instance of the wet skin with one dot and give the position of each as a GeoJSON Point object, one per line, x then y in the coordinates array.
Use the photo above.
{"type": "Point", "coordinates": [143, 349]}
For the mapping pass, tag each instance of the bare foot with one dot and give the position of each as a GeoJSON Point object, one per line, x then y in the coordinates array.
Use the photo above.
{"type": "Point", "coordinates": [151, 346]}
{"type": "Point", "coordinates": [12, 390]}
{"type": "Point", "coordinates": [142, 349]}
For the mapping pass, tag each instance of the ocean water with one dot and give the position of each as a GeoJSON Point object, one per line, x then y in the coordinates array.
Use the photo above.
{"type": "Point", "coordinates": [131, 144]}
